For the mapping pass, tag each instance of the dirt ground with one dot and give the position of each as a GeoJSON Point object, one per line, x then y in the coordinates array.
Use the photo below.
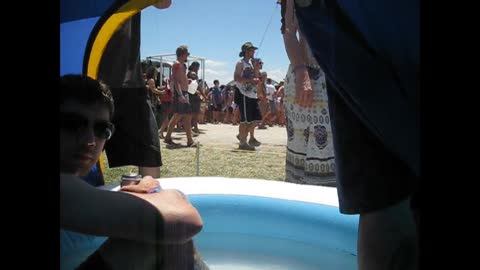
{"type": "Point", "coordinates": [224, 136]}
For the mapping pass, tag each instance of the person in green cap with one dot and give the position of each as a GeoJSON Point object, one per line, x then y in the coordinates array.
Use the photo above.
{"type": "Point", "coordinates": [247, 83]}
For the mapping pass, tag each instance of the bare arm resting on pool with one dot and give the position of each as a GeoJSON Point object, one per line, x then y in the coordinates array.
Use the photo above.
{"type": "Point", "coordinates": [163, 217]}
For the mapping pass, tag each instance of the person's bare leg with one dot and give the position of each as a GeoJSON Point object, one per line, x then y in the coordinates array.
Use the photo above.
{"type": "Point", "coordinates": [280, 119]}
{"type": "Point", "coordinates": [226, 119]}
{"type": "Point", "coordinates": [200, 118]}
{"type": "Point", "coordinates": [243, 132]}
{"type": "Point", "coordinates": [221, 117]}
{"type": "Point", "coordinates": [242, 137]}
{"type": "Point", "coordinates": [203, 117]}
{"type": "Point", "coordinates": [273, 119]}
{"type": "Point", "coordinates": [236, 116]}
{"type": "Point", "coordinates": [171, 125]}
{"type": "Point", "coordinates": [152, 171]}
{"type": "Point", "coordinates": [251, 129]}
{"type": "Point", "coordinates": [164, 126]}
{"type": "Point", "coordinates": [387, 239]}
{"type": "Point", "coordinates": [187, 125]}
{"type": "Point", "coordinates": [195, 122]}
{"type": "Point", "coordinates": [231, 119]}
{"type": "Point", "coordinates": [266, 119]}
{"type": "Point", "coordinates": [215, 117]}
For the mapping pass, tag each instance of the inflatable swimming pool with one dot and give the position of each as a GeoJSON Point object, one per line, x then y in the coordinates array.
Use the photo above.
{"type": "Point", "coordinates": [262, 224]}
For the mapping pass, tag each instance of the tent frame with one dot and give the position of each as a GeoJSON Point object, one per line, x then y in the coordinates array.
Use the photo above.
{"type": "Point", "coordinates": [171, 58]}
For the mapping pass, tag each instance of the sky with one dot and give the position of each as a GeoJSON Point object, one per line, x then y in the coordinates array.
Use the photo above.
{"type": "Point", "coordinates": [215, 30]}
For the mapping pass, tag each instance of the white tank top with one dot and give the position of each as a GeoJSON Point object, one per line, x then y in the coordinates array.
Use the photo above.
{"type": "Point", "coordinates": [247, 89]}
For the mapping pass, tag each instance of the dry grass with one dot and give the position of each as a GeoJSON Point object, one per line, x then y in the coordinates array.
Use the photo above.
{"type": "Point", "coordinates": [265, 163]}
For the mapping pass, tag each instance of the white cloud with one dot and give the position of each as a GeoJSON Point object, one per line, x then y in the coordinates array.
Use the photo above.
{"type": "Point", "coordinates": [213, 63]}
{"type": "Point", "coordinates": [223, 75]}
{"type": "Point", "coordinates": [215, 72]}
{"type": "Point", "coordinates": [277, 74]}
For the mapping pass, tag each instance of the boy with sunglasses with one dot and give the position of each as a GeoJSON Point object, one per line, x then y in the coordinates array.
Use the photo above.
{"type": "Point", "coordinates": [146, 227]}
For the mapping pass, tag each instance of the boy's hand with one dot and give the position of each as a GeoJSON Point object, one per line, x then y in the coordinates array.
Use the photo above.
{"type": "Point", "coordinates": [147, 185]}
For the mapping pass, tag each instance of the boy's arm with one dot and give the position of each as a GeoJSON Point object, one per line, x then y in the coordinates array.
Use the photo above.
{"type": "Point", "coordinates": [163, 217]}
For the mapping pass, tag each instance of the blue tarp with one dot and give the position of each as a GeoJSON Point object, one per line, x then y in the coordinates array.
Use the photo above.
{"type": "Point", "coordinates": [73, 40]}
{"type": "Point", "coordinates": [71, 10]}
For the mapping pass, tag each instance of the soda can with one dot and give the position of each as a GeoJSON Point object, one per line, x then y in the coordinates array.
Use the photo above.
{"type": "Point", "coordinates": [130, 179]}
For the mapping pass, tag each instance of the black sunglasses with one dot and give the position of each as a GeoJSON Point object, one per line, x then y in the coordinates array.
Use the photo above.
{"type": "Point", "coordinates": [74, 123]}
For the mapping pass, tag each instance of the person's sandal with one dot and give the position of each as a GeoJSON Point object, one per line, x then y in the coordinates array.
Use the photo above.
{"type": "Point", "coordinates": [193, 144]}
{"type": "Point", "coordinates": [170, 141]}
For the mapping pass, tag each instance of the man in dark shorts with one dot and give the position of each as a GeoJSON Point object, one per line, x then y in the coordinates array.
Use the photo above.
{"type": "Point", "coordinates": [370, 54]}
{"type": "Point", "coordinates": [182, 107]}
{"type": "Point", "coordinates": [246, 82]}
{"type": "Point", "coordinates": [136, 139]}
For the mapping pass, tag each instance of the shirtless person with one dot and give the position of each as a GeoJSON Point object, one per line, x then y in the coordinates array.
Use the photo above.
{"type": "Point", "coordinates": [181, 103]}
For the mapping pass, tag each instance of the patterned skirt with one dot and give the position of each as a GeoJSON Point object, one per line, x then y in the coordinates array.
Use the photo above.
{"type": "Point", "coordinates": [310, 156]}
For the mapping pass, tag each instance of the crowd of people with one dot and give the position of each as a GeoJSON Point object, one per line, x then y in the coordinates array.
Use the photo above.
{"type": "Point", "coordinates": [215, 104]}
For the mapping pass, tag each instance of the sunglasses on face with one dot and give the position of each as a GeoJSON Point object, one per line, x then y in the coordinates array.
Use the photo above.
{"type": "Point", "coordinates": [76, 123]}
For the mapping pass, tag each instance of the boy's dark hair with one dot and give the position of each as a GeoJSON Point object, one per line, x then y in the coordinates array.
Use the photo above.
{"type": "Point", "coordinates": [181, 50]}
{"type": "Point", "coordinates": [150, 73]}
{"type": "Point", "coordinates": [269, 81]}
{"type": "Point", "coordinates": [193, 64]}
{"type": "Point", "coordinates": [86, 91]}
{"type": "Point", "coordinates": [215, 81]}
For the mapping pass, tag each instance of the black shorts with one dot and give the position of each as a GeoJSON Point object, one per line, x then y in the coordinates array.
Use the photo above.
{"type": "Point", "coordinates": [167, 109]}
{"type": "Point", "coordinates": [135, 141]}
{"type": "Point", "coordinates": [249, 111]}
{"type": "Point", "coordinates": [373, 94]}
{"type": "Point", "coordinates": [195, 102]}
{"type": "Point", "coordinates": [182, 108]}
{"type": "Point", "coordinates": [369, 176]}
{"type": "Point", "coordinates": [158, 113]}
